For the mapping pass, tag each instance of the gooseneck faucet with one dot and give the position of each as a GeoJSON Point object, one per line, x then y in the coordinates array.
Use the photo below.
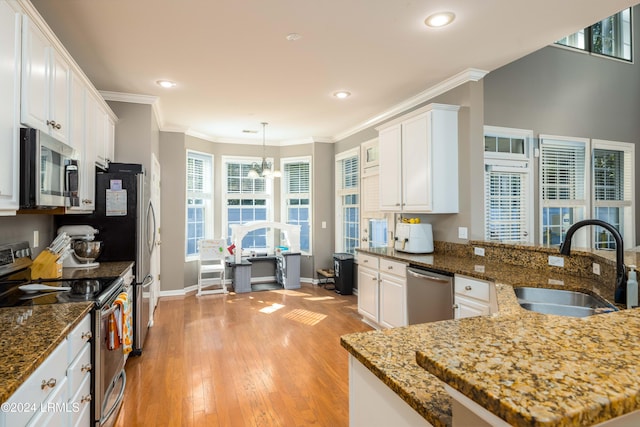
{"type": "Point", "coordinates": [621, 278]}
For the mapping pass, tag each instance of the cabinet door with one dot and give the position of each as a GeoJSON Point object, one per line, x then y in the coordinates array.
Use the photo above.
{"type": "Point", "coordinates": [467, 307]}
{"type": "Point", "coordinates": [368, 293]}
{"type": "Point", "coordinates": [393, 297]}
{"type": "Point", "coordinates": [90, 152]}
{"type": "Point", "coordinates": [59, 100]}
{"type": "Point", "coordinates": [109, 142]}
{"type": "Point", "coordinates": [416, 164]}
{"type": "Point", "coordinates": [9, 107]}
{"type": "Point", "coordinates": [390, 140]}
{"type": "Point", "coordinates": [35, 76]}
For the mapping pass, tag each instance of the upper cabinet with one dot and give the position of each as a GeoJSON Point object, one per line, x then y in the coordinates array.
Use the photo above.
{"type": "Point", "coordinates": [46, 78]}
{"type": "Point", "coordinates": [419, 161]}
{"type": "Point", "coordinates": [10, 40]}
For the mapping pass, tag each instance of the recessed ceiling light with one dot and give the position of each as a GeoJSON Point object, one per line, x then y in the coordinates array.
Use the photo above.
{"type": "Point", "coordinates": [342, 94]}
{"type": "Point", "coordinates": [293, 37]}
{"type": "Point", "coordinates": [166, 83]}
{"type": "Point", "coordinates": [440, 19]}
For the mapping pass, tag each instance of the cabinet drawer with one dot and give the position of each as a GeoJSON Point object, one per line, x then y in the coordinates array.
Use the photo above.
{"type": "Point", "coordinates": [368, 261]}
{"type": "Point", "coordinates": [79, 369]}
{"type": "Point", "coordinates": [80, 402]}
{"type": "Point", "coordinates": [472, 288]}
{"type": "Point", "coordinates": [32, 393]}
{"type": "Point", "coordinates": [393, 267]}
{"type": "Point", "coordinates": [53, 412]}
{"type": "Point", "coordinates": [78, 337]}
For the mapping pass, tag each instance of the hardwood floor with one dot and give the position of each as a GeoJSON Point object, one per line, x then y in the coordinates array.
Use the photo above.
{"type": "Point", "coordinates": [270, 358]}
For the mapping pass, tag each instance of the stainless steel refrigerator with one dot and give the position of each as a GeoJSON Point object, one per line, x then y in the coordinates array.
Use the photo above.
{"type": "Point", "coordinates": [126, 221]}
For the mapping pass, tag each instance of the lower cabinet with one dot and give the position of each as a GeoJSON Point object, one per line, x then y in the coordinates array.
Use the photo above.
{"type": "Point", "coordinates": [382, 291]}
{"type": "Point", "coordinates": [58, 392]}
{"type": "Point", "coordinates": [473, 297]}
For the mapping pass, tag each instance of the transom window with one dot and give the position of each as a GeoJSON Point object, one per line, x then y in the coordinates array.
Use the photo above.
{"type": "Point", "coordinates": [610, 37]}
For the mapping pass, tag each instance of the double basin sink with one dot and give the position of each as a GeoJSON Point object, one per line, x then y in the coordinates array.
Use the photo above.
{"type": "Point", "coordinates": [561, 302]}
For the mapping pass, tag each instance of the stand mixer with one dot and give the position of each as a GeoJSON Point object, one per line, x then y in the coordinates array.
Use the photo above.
{"type": "Point", "coordinates": [83, 249]}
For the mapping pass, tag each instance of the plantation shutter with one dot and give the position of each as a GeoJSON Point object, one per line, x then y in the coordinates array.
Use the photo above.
{"type": "Point", "coordinates": [297, 177]}
{"type": "Point", "coordinates": [506, 208]}
{"type": "Point", "coordinates": [562, 170]}
{"type": "Point", "coordinates": [198, 175]}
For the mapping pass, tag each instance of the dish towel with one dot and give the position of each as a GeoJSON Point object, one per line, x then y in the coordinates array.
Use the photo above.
{"type": "Point", "coordinates": [113, 335]}
{"type": "Point", "coordinates": [124, 322]}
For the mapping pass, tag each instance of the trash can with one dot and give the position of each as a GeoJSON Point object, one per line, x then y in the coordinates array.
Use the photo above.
{"type": "Point", "coordinates": [343, 273]}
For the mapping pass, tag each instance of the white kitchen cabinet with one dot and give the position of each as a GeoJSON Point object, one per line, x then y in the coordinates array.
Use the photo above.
{"type": "Point", "coordinates": [10, 42]}
{"type": "Point", "coordinates": [46, 79]}
{"type": "Point", "coordinates": [368, 286]}
{"type": "Point", "coordinates": [473, 297]}
{"type": "Point", "coordinates": [419, 161]}
{"type": "Point", "coordinates": [382, 291]}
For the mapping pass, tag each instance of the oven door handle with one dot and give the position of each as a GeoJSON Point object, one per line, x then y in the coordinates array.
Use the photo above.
{"type": "Point", "coordinates": [111, 309]}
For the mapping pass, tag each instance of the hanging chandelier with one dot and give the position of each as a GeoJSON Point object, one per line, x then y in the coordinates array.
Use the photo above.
{"type": "Point", "coordinates": [264, 169]}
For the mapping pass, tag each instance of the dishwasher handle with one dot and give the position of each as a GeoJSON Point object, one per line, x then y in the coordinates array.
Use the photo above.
{"type": "Point", "coordinates": [414, 273]}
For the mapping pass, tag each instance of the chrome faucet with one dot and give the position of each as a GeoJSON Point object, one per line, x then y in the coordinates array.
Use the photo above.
{"type": "Point", "coordinates": [621, 278]}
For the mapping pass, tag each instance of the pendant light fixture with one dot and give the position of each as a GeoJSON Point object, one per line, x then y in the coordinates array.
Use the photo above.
{"type": "Point", "coordinates": [263, 170]}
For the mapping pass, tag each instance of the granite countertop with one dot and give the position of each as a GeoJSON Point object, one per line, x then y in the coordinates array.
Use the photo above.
{"type": "Point", "coordinates": [527, 368]}
{"type": "Point", "coordinates": [24, 346]}
{"type": "Point", "coordinates": [105, 269]}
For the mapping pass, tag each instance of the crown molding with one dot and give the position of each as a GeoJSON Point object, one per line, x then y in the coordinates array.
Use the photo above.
{"type": "Point", "coordinates": [469, 75]}
{"type": "Point", "coordinates": [133, 98]}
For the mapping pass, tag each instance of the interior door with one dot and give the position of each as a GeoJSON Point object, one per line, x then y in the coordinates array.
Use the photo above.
{"type": "Point", "coordinates": [155, 255]}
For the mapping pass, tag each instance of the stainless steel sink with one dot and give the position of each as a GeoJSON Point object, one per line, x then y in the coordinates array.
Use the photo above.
{"type": "Point", "coordinates": [561, 302]}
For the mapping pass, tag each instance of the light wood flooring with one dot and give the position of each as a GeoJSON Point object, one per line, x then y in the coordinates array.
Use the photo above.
{"type": "Point", "coordinates": [270, 358]}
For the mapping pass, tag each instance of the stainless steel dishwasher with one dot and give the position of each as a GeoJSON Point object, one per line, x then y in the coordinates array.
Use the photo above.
{"type": "Point", "coordinates": [429, 296]}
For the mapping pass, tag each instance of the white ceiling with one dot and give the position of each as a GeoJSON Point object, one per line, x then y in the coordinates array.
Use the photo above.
{"type": "Point", "coordinates": [234, 67]}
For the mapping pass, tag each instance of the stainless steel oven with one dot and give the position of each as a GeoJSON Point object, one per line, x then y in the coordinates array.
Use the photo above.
{"type": "Point", "coordinates": [110, 377]}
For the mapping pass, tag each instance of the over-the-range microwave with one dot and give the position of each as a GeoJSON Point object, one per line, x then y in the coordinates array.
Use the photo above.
{"type": "Point", "coordinates": [48, 171]}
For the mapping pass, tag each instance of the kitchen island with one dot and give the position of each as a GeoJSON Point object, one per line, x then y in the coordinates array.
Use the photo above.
{"type": "Point", "coordinates": [524, 367]}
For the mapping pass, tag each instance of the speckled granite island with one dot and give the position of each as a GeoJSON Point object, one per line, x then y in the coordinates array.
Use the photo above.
{"type": "Point", "coordinates": [527, 368]}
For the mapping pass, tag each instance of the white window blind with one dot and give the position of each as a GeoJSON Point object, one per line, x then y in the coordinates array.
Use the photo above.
{"type": "Point", "coordinates": [347, 203]}
{"type": "Point", "coordinates": [199, 212]}
{"type": "Point", "coordinates": [563, 170]}
{"type": "Point", "coordinates": [506, 208]}
{"type": "Point", "coordinates": [296, 197]}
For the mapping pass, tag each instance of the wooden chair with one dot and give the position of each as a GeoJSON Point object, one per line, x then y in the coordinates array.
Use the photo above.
{"type": "Point", "coordinates": [211, 266]}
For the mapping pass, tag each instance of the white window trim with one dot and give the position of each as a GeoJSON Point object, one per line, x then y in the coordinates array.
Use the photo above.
{"type": "Point", "coordinates": [211, 213]}
{"type": "Point", "coordinates": [581, 235]}
{"type": "Point", "coordinates": [223, 176]}
{"type": "Point", "coordinates": [509, 161]}
{"type": "Point", "coordinates": [283, 195]}
{"type": "Point", "coordinates": [339, 247]}
{"type": "Point", "coordinates": [630, 223]}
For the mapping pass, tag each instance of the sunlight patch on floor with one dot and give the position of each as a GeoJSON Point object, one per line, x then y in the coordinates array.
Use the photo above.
{"type": "Point", "coordinates": [319, 298]}
{"type": "Point", "coordinates": [270, 309]}
{"type": "Point", "coordinates": [289, 292]}
{"type": "Point", "coordinates": [305, 316]}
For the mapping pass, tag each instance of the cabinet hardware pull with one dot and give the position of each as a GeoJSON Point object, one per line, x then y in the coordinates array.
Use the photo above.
{"type": "Point", "coordinates": [86, 368]}
{"type": "Point", "coordinates": [365, 261]}
{"type": "Point", "coordinates": [48, 384]}
{"type": "Point", "coordinates": [390, 267]}
{"type": "Point", "coordinates": [468, 288]}
{"type": "Point", "coordinates": [85, 399]}
{"type": "Point", "coordinates": [86, 335]}
{"type": "Point", "coordinates": [456, 306]}
{"type": "Point", "coordinates": [53, 124]}
{"type": "Point", "coordinates": [374, 278]}
{"type": "Point", "coordinates": [86, 201]}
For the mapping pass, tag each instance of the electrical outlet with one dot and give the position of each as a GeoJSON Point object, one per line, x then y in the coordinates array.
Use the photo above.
{"type": "Point", "coordinates": [36, 238]}
{"type": "Point", "coordinates": [556, 261]}
{"type": "Point", "coordinates": [463, 233]}
{"type": "Point", "coordinates": [478, 251]}
{"type": "Point", "coordinates": [596, 268]}
{"type": "Point", "coordinates": [324, 224]}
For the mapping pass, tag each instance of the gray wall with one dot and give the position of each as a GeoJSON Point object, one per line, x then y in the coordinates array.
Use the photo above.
{"type": "Point", "coordinates": [20, 228]}
{"type": "Point", "coordinates": [559, 91]}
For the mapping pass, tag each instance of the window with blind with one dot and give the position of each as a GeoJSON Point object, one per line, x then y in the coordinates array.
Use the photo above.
{"type": "Point", "coordinates": [610, 37]}
{"type": "Point", "coordinates": [563, 187]}
{"type": "Point", "coordinates": [347, 201]}
{"type": "Point", "coordinates": [296, 197]}
{"type": "Point", "coordinates": [613, 200]}
{"type": "Point", "coordinates": [199, 215]}
{"type": "Point", "coordinates": [508, 187]}
{"type": "Point", "coordinates": [246, 200]}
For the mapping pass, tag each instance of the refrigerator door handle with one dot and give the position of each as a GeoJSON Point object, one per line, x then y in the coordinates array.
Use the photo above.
{"type": "Point", "coordinates": [151, 243]}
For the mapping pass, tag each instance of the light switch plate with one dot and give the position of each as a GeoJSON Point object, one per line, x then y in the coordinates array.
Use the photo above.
{"type": "Point", "coordinates": [463, 233]}
{"type": "Point", "coordinates": [36, 238]}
